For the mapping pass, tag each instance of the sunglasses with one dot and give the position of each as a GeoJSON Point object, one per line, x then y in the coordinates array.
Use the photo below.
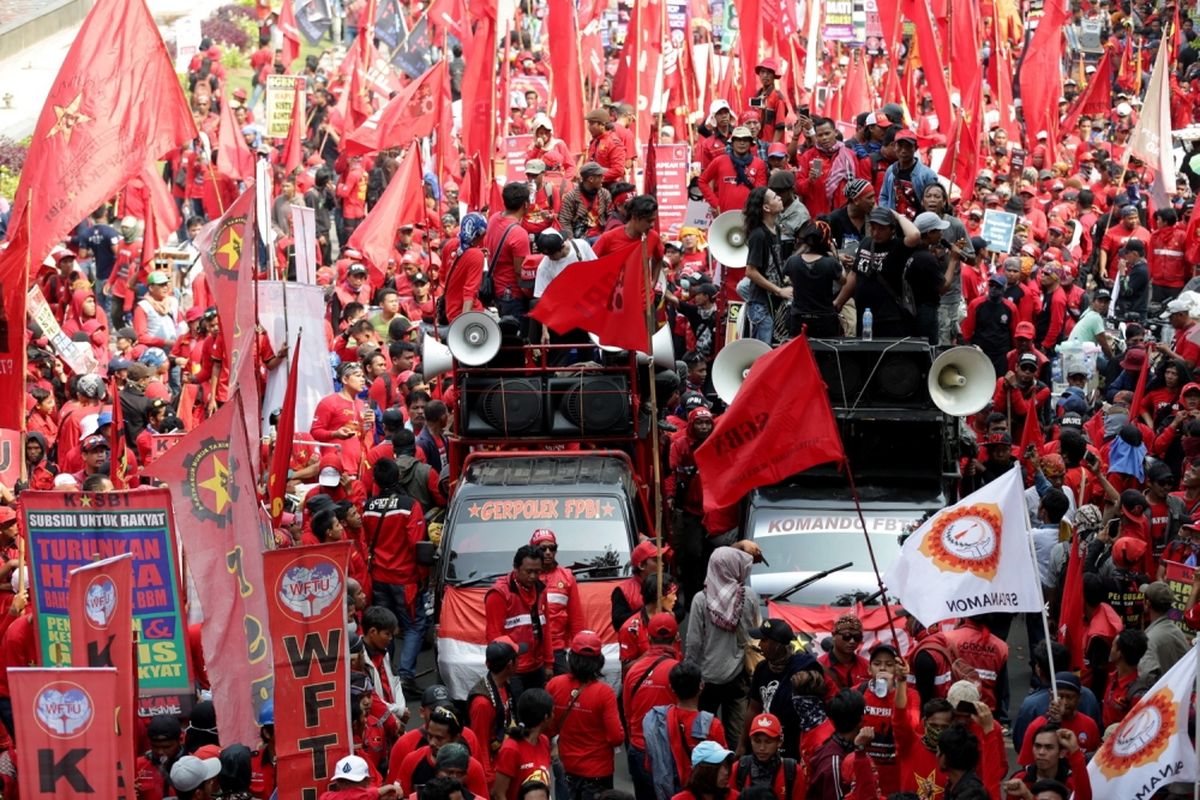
{"type": "Point", "coordinates": [553, 548]}
{"type": "Point", "coordinates": [851, 637]}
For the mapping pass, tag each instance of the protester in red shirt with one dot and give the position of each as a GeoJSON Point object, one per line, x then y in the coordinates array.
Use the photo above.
{"type": "Point", "coordinates": [564, 607]}
{"type": "Point", "coordinates": [646, 685]}
{"type": "Point", "coordinates": [643, 216]}
{"type": "Point", "coordinates": [525, 754]}
{"type": "Point", "coordinates": [605, 147]}
{"type": "Point", "coordinates": [586, 720]}
{"type": "Point", "coordinates": [844, 667]}
{"type": "Point", "coordinates": [1064, 714]}
{"type": "Point", "coordinates": [352, 191]}
{"type": "Point", "coordinates": [344, 419]}
{"type": "Point", "coordinates": [421, 765]}
{"type": "Point", "coordinates": [709, 772]}
{"type": "Point", "coordinates": [633, 637]}
{"type": "Point", "coordinates": [729, 178]}
{"type": "Point", "coordinates": [490, 702]}
{"type": "Point", "coordinates": [1115, 238]}
{"type": "Point", "coordinates": [1166, 256]}
{"type": "Point", "coordinates": [153, 768]}
{"type": "Point", "coordinates": [1125, 684]}
{"type": "Point", "coordinates": [765, 766]}
{"type": "Point", "coordinates": [515, 607]}
{"type": "Point", "coordinates": [508, 248]}
{"type": "Point", "coordinates": [1185, 345]}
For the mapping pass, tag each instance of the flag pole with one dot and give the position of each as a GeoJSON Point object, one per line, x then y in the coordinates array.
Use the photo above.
{"type": "Point", "coordinates": [1196, 739]}
{"type": "Point", "coordinates": [887, 608]}
{"type": "Point", "coordinates": [1042, 602]}
{"type": "Point", "coordinates": [648, 289]}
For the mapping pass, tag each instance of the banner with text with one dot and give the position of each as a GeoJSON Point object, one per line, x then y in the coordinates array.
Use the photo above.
{"type": "Point", "coordinates": [66, 749]}
{"type": "Point", "coordinates": [306, 589]}
{"type": "Point", "coordinates": [281, 96]}
{"type": "Point", "coordinates": [78, 357]}
{"type": "Point", "coordinates": [101, 613]}
{"type": "Point", "coordinates": [10, 456]}
{"type": "Point", "coordinates": [68, 530]}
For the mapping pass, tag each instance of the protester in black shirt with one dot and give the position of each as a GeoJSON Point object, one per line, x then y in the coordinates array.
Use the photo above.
{"type": "Point", "coordinates": [876, 282]}
{"type": "Point", "coordinates": [1133, 299]}
{"type": "Point", "coordinates": [814, 272]}
{"type": "Point", "coordinates": [928, 275]}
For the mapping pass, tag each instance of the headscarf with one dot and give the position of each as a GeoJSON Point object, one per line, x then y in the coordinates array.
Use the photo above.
{"type": "Point", "coordinates": [701, 241]}
{"type": "Point", "coordinates": [725, 586]}
{"type": "Point", "coordinates": [469, 229]}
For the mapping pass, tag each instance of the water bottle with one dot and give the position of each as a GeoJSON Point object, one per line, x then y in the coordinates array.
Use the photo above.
{"type": "Point", "coordinates": [868, 325]}
{"type": "Point", "coordinates": [1056, 371]}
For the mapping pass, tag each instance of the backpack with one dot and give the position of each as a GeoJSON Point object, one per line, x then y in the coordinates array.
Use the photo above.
{"type": "Point", "coordinates": [789, 775]}
{"type": "Point", "coordinates": [663, 772]}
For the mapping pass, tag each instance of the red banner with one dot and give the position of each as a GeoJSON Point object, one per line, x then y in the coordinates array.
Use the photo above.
{"type": "Point", "coordinates": [814, 623]}
{"type": "Point", "coordinates": [100, 606]}
{"type": "Point", "coordinates": [671, 182]}
{"type": "Point", "coordinates": [306, 587]}
{"type": "Point", "coordinates": [66, 749]}
{"type": "Point", "coordinates": [10, 456]}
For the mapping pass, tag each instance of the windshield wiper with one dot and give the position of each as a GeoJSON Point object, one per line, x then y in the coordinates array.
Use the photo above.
{"type": "Point", "coordinates": [476, 581]}
{"type": "Point", "coordinates": [791, 590]}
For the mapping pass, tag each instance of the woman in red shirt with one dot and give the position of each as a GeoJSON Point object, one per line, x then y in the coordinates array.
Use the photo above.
{"type": "Point", "coordinates": [464, 272]}
{"type": "Point", "coordinates": [709, 779]}
{"type": "Point", "coordinates": [525, 754]}
{"type": "Point", "coordinates": [1163, 393]}
{"type": "Point", "coordinates": [585, 718]}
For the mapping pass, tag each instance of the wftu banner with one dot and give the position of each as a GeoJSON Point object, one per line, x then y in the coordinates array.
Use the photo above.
{"type": "Point", "coordinates": [68, 530]}
{"type": "Point", "coordinates": [306, 587]}
{"type": "Point", "coordinates": [101, 613]}
{"type": "Point", "coordinates": [66, 747]}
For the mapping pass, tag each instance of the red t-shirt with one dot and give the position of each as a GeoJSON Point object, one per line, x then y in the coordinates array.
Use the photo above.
{"type": "Point", "coordinates": [1084, 727]}
{"type": "Point", "coordinates": [588, 734]}
{"type": "Point", "coordinates": [463, 277]}
{"type": "Point", "coordinates": [617, 239]}
{"type": "Point", "coordinates": [654, 690]}
{"type": "Point", "coordinates": [524, 761]}
{"type": "Point", "coordinates": [506, 253]}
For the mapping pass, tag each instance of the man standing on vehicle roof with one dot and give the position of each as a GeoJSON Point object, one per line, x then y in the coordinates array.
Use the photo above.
{"type": "Point", "coordinates": [565, 609]}
{"type": "Point", "coordinates": [515, 607]}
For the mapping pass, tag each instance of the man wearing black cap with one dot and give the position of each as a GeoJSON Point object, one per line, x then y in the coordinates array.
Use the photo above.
{"type": "Point", "coordinates": [876, 280]}
{"type": "Point", "coordinates": [771, 683]}
{"type": "Point", "coordinates": [794, 214]}
{"type": "Point", "coordinates": [1133, 274]}
{"type": "Point", "coordinates": [153, 768]}
{"type": "Point", "coordinates": [1016, 390]}
{"type": "Point", "coordinates": [1117, 236]}
{"type": "Point", "coordinates": [991, 323]}
{"type": "Point", "coordinates": [490, 701]}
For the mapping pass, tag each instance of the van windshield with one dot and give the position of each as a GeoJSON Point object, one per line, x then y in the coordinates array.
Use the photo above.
{"type": "Point", "coordinates": [592, 532]}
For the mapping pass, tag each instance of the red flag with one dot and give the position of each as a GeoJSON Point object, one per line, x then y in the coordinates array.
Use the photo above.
{"type": "Point", "coordinates": [749, 14]}
{"type": "Point", "coordinates": [1096, 98]}
{"type": "Point", "coordinates": [1000, 75]}
{"type": "Point", "coordinates": [1139, 391]}
{"type": "Point", "coordinates": [411, 114]}
{"type": "Point", "coordinates": [115, 106]}
{"type": "Point", "coordinates": [403, 201]}
{"type": "Point", "coordinates": [1041, 79]}
{"type": "Point", "coordinates": [566, 90]}
{"type": "Point", "coordinates": [358, 104]}
{"type": "Point", "coordinates": [100, 596]}
{"type": "Point", "coordinates": [639, 68]}
{"type": "Point", "coordinates": [293, 149]}
{"type": "Point", "coordinates": [307, 587]}
{"type": "Point", "coordinates": [605, 297]}
{"type": "Point", "coordinates": [1070, 613]}
{"type": "Point", "coordinates": [227, 248]}
{"type": "Point", "coordinates": [66, 747]}
{"type": "Point", "coordinates": [961, 163]}
{"type": "Point", "coordinates": [149, 198]}
{"type": "Point", "coordinates": [966, 67]}
{"type": "Point", "coordinates": [760, 441]}
{"type": "Point", "coordinates": [448, 16]}
{"type": "Point", "coordinates": [856, 96]}
{"type": "Point", "coordinates": [216, 507]}
{"type": "Point", "coordinates": [122, 472]}
{"type": "Point", "coordinates": [291, 33]}
{"type": "Point", "coordinates": [478, 97]}
{"type": "Point", "coordinates": [281, 456]}
{"type": "Point", "coordinates": [1031, 433]}
{"type": "Point", "coordinates": [931, 58]}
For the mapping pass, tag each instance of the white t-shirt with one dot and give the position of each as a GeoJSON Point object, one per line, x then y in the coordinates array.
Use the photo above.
{"type": "Point", "coordinates": [549, 269]}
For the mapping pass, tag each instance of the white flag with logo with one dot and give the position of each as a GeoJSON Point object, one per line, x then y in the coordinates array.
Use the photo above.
{"type": "Point", "coordinates": [971, 558]}
{"type": "Point", "coordinates": [1150, 748]}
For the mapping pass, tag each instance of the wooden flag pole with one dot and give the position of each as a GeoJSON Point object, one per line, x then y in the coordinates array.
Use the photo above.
{"type": "Point", "coordinates": [648, 290]}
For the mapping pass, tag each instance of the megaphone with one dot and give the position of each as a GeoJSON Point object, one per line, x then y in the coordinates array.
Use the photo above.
{"type": "Point", "coordinates": [727, 239]}
{"type": "Point", "coordinates": [962, 381]}
{"type": "Point", "coordinates": [436, 358]}
{"type": "Point", "coordinates": [732, 365]}
{"type": "Point", "coordinates": [662, 346]}
{"type": "Point", "coordinates": [474, 338]}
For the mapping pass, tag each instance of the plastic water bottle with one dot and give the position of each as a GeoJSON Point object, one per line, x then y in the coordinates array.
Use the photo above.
{"type": "Point", "coordinates": [868, 325]}
{"type": "Point", "coordinates": [1056, 371]}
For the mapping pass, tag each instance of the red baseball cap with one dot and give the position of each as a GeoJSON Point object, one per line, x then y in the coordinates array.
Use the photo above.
{"type": "Point", "coordinates": [644, 551]}
{"type": "Point", "coordinates": [587, 643]}
{"type": "Point", "coordinates": [7, 515]}
{"type": "Point", "coordinates": [543, 536]}
{"type": "Point", "coordinates": [906, 136]}
{"type": "Point", "coordinates": [662, 626]}
{"type": "Point", "coordinates": [1025, 330]}
{"type": "Point", "coordinates": [767, 724]}
{"type": "Point", "coordinates": [1128, 551]}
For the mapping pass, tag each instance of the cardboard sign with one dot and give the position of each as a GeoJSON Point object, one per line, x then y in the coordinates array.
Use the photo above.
{"type": "Point", "coordinates": [998, 229]}
{"type": "Point", "coordinates": [187, 41]}
{"type": "Point", "coordinates": [77, 356]}
{"type": "Point", "coordinates": [281, 96]}
{"type": "Point", "coordinates": [515, 148]}
{"type": "Point", "coordinates": [1179, 577]}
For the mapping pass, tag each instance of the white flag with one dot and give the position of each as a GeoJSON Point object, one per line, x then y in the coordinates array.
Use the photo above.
{"type": "Point", "coordinates": [971, 558]}
{"type": "Point", "coordinates": [1150, 748]}
{"type": "Point", "coordinates": [1151, 138]}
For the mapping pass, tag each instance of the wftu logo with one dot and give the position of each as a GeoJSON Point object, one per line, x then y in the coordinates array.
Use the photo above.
{"type": "Point", "coordinates": [100, 601]}
{"type": "Point", "coordinates": [63, 710]}
{"type": "Point", "coordinates": [309, 587]}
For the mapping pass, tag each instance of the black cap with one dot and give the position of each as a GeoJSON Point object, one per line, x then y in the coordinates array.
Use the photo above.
{"type": "Point", "coordinates": [435, 695]}
{"type": "Point", "coordinates": [501, 651]}
{"type": "Point", "coordinates": [880, 647]}
{"type": "Point", "coordinates": [164, 728]}
{"type": "Point", "coordinates": [776, 630]}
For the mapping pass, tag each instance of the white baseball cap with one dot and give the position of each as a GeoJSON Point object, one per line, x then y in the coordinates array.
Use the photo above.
{"type": "Point", "coordinates": [717, 105]}
{"type": "Point", "coordinates": [351, 768]}
{"type": "Point", "coordinates": [329, 476]}
{"type": "Point", "coordinates": [190, 773]}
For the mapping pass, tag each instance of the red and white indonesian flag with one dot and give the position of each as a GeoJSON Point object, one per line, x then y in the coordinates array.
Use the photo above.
{"type": "Point", "coordinates": [972, 558]}
{"type": "Point", "coordinates": [1150, 748]}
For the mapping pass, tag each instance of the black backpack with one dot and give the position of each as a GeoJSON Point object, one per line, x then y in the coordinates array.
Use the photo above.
{"type": "Point", "coordinates": [789, 775]}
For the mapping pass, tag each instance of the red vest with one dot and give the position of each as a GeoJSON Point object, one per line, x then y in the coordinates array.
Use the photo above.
{"type": "Point", "coordinates": [519, 621]}
{"type": "Point", "coordinates": [1105, 623]}
{"type": "Point", "coordinates": [975, 648]}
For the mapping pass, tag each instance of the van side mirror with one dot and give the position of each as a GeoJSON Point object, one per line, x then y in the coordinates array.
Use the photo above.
{"type": "Point", "coordinates": [426, 554]}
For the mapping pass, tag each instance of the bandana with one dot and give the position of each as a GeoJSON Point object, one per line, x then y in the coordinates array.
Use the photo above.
{"type": "Point", "coordinates": [848, 622]}
{"type": "Point", "coordinates": [855, 187]}
{"type": "Point", "coordinates": [472, 225]}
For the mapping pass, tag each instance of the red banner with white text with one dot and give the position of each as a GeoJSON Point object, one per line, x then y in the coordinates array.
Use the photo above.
{"type": "Point", "coordinates": [66, 747]}
{"type": "Point", "coordinates": [100, 607]}
{"type": "Point", "coordinates": [306, 590]}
